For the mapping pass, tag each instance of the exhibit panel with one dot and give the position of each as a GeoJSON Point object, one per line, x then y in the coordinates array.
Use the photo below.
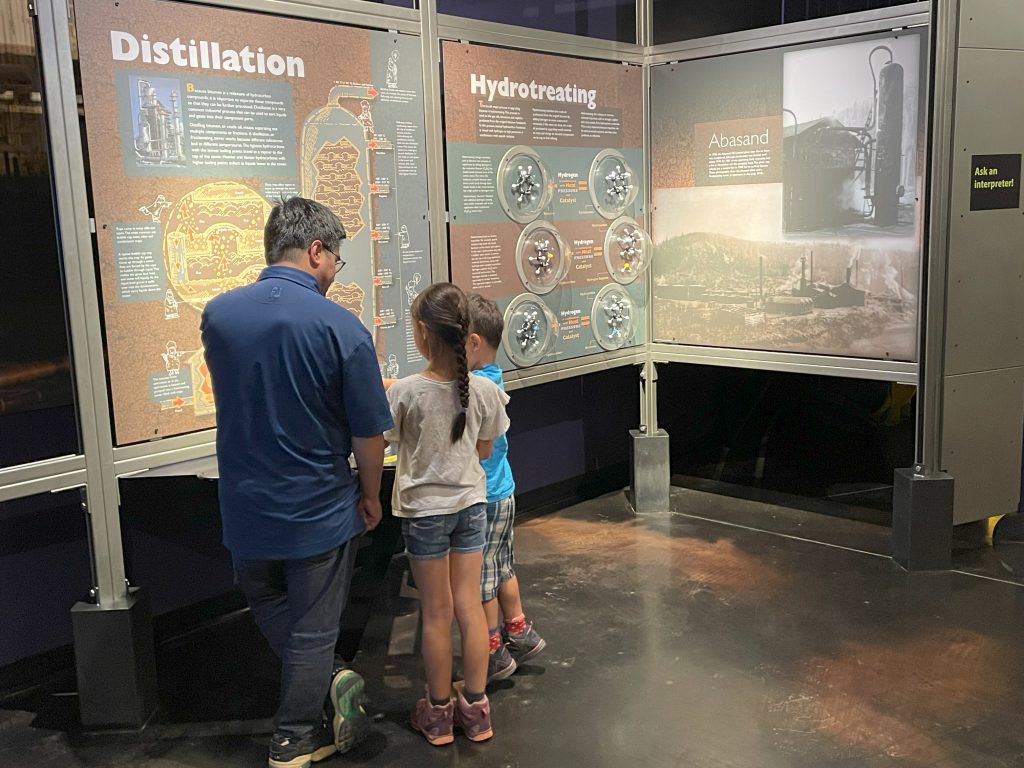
{"type": "Point", "coordinates": [198, 120]}
{"type": "Point", "coordinates": [788, 187]}
{"type": "Point", "coordinates": [545, 173]}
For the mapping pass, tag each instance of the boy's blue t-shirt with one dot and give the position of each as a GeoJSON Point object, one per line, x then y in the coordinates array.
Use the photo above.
{"type": "Point", "coordinates": [500, 484]}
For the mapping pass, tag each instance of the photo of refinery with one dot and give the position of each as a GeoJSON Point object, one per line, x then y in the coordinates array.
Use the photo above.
{"type": "Point", "coordinates": [825, 298]}
{"type": "Point", "coordinates": [157, 121]}
{"type": "Point", "coordinates": [850, 138]}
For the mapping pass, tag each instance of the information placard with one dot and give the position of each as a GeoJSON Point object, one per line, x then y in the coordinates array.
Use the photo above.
{"type": "Point", "coordinates": [788, 194]}
{"type": "Point", "coordinates": [995, 182]}
{"type": "Point", "coordinates": [546, 196]}
{"type": "Point", "coordinates": [198, 119]}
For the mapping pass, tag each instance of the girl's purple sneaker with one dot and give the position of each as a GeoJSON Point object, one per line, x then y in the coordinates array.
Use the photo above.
{"type": "Point", "coordinates": [433, 721]}
{"type": "Point", "coordinates": [474, 719]}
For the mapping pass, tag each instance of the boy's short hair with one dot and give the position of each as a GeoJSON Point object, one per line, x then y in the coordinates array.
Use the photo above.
{"type": "Point", "coordinates": [485, 320]}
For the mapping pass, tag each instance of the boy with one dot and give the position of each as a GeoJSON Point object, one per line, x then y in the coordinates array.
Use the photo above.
{"type": "Point", "coordinates": [517, 640]}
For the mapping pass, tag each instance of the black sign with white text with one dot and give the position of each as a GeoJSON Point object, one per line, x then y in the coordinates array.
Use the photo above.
{"type": "Point", "coordinates": [995, 182]}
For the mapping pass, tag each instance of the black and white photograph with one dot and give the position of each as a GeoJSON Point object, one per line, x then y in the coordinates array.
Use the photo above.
{"type": "Point", "coordinates": [850, 139]}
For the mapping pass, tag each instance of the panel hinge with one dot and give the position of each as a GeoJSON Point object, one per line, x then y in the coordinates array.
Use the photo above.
{"type": "Point", "coordinates": [33, 11]}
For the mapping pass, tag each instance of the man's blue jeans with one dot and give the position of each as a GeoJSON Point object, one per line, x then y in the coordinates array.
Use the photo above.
{"type": "Point", "coordinates": [297, 605]}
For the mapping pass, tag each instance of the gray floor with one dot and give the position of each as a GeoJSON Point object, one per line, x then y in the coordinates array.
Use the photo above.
{"type": "Point", "coordinates": [731, 633]}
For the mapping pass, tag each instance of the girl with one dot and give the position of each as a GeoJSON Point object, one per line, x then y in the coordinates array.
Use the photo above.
{"type": "Point", "coordinates": [445, 422]}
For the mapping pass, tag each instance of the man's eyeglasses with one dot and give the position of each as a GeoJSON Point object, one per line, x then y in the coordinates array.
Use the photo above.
{"type": "Point", "coordinates": [338, 263]}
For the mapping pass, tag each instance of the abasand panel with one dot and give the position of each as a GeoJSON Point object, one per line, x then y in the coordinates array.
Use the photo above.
{"type": "Point", "coordinates": [788, 198]}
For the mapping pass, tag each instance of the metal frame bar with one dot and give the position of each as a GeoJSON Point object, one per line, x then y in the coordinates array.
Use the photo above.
{"type": "Point", "coordinates": [68, 169]}
{"type": "Point", "coordinates": [542, 374]}
{"type": "Point", "coordinates": [170, 450]}
{"type": "Point", "coordinates": [52, 475]}
{"type": "Point", "coordinates": [816, 30]}
{"type": "Point", "coordinates": [942, 59]}
{"type": "Point", "coordinates": [644, 23]}
{"type": "Point", "coordinates": [649, 375]}
{"type": "Point", "coordinates": [794, 362]}
{"type": "Point", "coordinates": [434, 124]}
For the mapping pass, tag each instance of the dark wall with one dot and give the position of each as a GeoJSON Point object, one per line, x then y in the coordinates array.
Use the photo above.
{"type": "Point", "coordinates": [676, 20]}
{"type": "Point", "coordinates": [818, 437]}
{"type": "Point", "coordinates": [31, 290]}
{"type": "Point", "coordinates": [44, 570]}
{"type": "Point", "coordinates": [605, 19]}
{"type": "Point", "coordinates": [573, 429]}
{"type": "Point", "coordinates": [37, 417]}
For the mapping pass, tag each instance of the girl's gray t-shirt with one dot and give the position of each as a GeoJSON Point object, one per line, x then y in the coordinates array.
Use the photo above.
{"type": "Point", "coordinates": [434, 475]}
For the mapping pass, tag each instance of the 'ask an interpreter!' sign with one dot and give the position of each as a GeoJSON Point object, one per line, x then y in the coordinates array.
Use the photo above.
{"type": "Point", "coordinates": [995, 182]}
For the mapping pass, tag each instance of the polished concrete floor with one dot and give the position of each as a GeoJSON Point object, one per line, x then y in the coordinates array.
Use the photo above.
{"type": "Point", "coordinates": [730, 633]}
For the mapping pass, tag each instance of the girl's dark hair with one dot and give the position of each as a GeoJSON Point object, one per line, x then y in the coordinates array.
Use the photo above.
{"type": "Point", "coordinates": [444, 310]}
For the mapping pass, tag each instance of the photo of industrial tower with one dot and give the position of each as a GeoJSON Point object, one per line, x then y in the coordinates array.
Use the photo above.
{"type": "Point", "coordinates": [157, 121]}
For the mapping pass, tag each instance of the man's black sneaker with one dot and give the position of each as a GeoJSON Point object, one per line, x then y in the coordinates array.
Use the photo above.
{"type": "Point", "coordinates": [287, 752]}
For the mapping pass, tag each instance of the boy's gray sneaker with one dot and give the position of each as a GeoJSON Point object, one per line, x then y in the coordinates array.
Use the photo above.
{"type": "Point", "coordinates": [500, 664]}
{"type": "Point", "coordinates": [525, 645]}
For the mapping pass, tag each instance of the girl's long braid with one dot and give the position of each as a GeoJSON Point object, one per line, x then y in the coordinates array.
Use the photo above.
{"type": "Point", "coordinates": [459, 424]}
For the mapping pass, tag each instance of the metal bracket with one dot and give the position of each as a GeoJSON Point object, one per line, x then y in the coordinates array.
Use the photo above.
{"type": "Point", "coordinates": [94, 590]}
{"type": "Point", "coordinates": [33, 12]}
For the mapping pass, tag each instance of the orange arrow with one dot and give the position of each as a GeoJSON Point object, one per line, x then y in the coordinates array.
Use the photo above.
{"type": "Point", "coordinates": [177, 402]}
{"type": "Point", "coordinates": [372, 91]}
{"type": "Point", "coordinates": [371, 144]}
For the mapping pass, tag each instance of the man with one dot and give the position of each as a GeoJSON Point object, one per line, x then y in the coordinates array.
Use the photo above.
{"type": "Point", "coordinates": [298, 388]}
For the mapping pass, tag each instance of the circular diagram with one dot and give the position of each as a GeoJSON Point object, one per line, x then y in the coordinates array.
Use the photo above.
{"type": "Point", "coordinates": [214, 241]}
{"type": "Point", "coordinates": [529, 330]}
{"type": "Point", "coordinates": [612, 186]}
{"type": "Point", "coordinates": [542, 257]}
{"type": "Point", "coordinates": [613, 317]}
{"type": "Point", "coordinates": [626, 250]}
{"type": "Point", "coordinates": [524, 184]}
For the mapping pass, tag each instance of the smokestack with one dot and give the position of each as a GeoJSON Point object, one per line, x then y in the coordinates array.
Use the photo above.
{"type": "Point", "coordinates": [812, 267]}
{"type": "Point", "coordinates": [849, 271]}
{"type": "Point", "coordinates": [760, 290]}
{"type": "Point", "coordinates": [803, 273]}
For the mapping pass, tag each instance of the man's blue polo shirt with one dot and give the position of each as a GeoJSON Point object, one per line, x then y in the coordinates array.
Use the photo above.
{"type": "Point", "coordinates": [295, 377]}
